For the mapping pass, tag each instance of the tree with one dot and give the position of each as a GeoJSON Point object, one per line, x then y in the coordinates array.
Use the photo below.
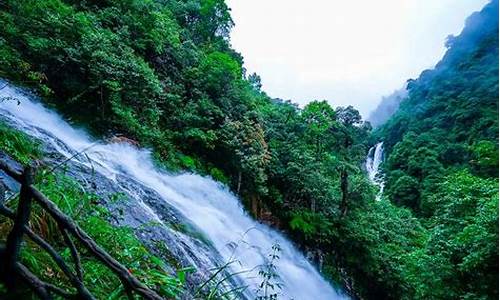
{"type": "Point", "coordinates": [406, 192]}
{"type": "Point", "coordinates": [245, 139]}
{"type": "Point", "coordinates": [348, 116]}
{"type": "Point", "coordinates": [255, 81]}
{"type": "Point", "coordinates": [219, 71]}
{"type": "Point", "coordinates": [319, 119]}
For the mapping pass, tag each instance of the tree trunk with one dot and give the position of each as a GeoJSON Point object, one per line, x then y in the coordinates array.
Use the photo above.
{"type": "Point", "coordinates": [102, 104]}
{"type": "Point", "coordinates": [239, 183]}
{"type": "Point", "coordinates": [255, 207]}
{"type": "Point", "coordinates": [344, 187]}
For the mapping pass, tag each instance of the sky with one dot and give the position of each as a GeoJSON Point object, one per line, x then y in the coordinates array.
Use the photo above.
{"type": "Point", "coordinates": [344, 51]}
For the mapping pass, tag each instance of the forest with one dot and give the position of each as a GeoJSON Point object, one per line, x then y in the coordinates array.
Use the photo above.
{"type": "Point", "coordinates": [163, 73]}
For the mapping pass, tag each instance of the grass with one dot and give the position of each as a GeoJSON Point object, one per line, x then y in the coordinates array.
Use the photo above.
{"type": "Point", "coordinates": [18, 145]}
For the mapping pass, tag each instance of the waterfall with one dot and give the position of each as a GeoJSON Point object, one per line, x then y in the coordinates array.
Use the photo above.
{"type": "Point", "coordinates": [196, 201]}
{"type": "Point", "coordinates": [372, 165]}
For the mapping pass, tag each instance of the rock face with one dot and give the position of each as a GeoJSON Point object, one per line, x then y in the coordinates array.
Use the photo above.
{"type": "Point", "coordinates": [159, 226]}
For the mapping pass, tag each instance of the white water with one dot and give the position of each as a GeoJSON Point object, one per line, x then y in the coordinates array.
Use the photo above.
{"type": "Point", "coordinates": [372, 165]}
{"type": "Point", "coordinates": [209, 205]}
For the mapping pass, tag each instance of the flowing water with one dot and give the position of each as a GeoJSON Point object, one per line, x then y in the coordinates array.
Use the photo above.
{"type": "Point", "coordinates": [372, 165]}
{"type": "Point", "coordinates": [225, 232]}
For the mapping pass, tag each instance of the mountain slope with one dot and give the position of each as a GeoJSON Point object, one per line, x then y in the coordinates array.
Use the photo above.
{"type": "Point", "coordinates": [387, 107]}
{"type": "Point", "coordinates": [442, 161]}
{"type": "Point", "coordinates": [450, 119]}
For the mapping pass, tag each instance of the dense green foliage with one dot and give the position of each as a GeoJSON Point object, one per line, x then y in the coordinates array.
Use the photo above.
{"type": "Point", "coordinates": [442, 164]}
{"type": "Point", "coordinates": [450, 119]}
{"type": "Point", "coordinates": [163, 72]}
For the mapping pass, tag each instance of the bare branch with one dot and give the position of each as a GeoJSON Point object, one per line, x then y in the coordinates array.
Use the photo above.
{"type": "Point", "coordinates": [74, 253]}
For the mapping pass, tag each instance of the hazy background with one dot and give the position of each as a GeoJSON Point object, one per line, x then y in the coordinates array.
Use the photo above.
{"type": "Point", "coordinates": [347, 52]}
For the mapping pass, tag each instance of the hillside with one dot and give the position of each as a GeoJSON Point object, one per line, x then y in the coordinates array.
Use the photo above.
{"type": "Point", "coordinates": [162, 73]}
{"type": "Point", "coordinates": [442, 158]}
{"type": "Point", "coordinates": [450, 119]}
{"type": "Point", "coordinates": [387, 107]}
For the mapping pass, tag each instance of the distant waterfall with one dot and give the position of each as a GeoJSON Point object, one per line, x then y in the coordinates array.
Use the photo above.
{"type": "Point", "coordinates": [372, 164]}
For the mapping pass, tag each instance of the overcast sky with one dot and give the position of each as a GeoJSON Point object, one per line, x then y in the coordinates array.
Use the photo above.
{"type": "Point", "coordinates": [343, 51]}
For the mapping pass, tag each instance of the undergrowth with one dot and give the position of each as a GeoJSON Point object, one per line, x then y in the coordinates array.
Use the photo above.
{"type": "Point", "coordinates": [18, 145]}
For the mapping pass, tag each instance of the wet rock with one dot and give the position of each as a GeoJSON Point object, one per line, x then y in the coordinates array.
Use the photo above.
{"type": "Point", "coordinates": [123, 139]}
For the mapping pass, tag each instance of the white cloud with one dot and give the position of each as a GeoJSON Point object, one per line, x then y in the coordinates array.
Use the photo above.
{"type": "Point", "coordinates": [347, 52]}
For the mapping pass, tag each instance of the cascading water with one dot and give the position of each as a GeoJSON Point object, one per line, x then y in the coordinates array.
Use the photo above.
{"type": "Point", "coordinates": [372, 164]}
{"type": "Point", "coordinates": [201, 202]}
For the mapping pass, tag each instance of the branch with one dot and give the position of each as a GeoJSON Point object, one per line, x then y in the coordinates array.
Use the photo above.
{"type": "Point", "coordinates": [74, 252]}
{"type": "Point", "coordinates": [36, 284]}
{"type": "Point", "coordinates": [82, 290]}
{"type": "Point", "coordinates": [98, 252]}
{"type": "Point", "coordinates": [40, 287]}
{"type": "Point", "coordinates": [59, 291]}
{"type": "Point", "coordinates": [66, 223]}
{"type": "Point", "coordinates": [11, 172]}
